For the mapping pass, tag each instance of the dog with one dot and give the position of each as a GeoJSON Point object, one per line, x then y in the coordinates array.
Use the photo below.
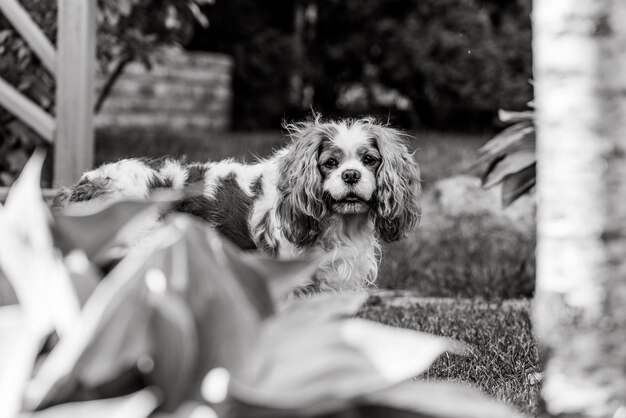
{"type": "Point", "coordinates": [339, 189]}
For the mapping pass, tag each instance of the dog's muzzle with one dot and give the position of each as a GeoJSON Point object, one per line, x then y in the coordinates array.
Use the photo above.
{"type": "Point", "coordinates": [349, 205]}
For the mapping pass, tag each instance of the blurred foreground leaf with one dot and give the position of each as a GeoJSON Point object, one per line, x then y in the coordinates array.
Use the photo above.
{"type": "Point", "coordinates": [174, 353]}
{"type": "Point", "coordinates": [28, 258]}
{"type": "Point", "coordinates": [315, 367]}
{"type": "Point", "coordinates": [47, 298]}
{"type": "Point", "coordinates": [185, 316]}
{"type": "Point", "coordinates": [19, 346]}
{"type": "Point", "coordinates": [136, 405]}
{"type": "Point", "coordinates": [109, 337]}
{"type": "Point", "coordinates": [103, 226]}
{"type": "Point", "coordinates": [175, 301]}
{"type": "Point", "coordinates": [267, 280]}
{"type": "Point", "coordinates": [437, 400]}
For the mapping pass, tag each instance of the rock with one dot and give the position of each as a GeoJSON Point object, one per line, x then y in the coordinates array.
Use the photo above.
{"type": "Point", "coordinates": [462, 195]}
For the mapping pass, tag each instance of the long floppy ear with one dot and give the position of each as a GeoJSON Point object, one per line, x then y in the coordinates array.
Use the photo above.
{"type": "Point", "coordinates": [301, 206]}
{"type": "Point", "coordinates": [398, 186]}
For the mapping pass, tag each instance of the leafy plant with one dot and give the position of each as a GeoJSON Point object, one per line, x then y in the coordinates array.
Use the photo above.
{"type": "Point", "coordinates": [457, 61]}
{"type": "Point", "coordinates": [510, 157]}
{"type": "Point", "coordinates": [184, 323]}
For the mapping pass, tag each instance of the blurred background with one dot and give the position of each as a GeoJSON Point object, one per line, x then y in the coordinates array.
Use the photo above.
{"type": "Point", "coordinates": [210, 79]}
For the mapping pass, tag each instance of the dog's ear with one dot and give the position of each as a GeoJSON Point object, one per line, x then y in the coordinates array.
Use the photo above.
{"type": "Point", "coordinates": [300, 206]}
{"type": "Point", "coordinates": [398, 186]}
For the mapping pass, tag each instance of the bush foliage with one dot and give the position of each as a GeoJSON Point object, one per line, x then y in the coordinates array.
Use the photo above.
{"type": "Point", "coordinates": [457, 61]}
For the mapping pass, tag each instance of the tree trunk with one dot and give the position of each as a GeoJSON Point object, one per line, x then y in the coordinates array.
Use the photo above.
{"type": "Point", "coordinates": [580, 316]}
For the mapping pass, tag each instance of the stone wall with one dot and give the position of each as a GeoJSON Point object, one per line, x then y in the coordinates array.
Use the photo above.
{"type": "Point", "coordinates": [190, 91]}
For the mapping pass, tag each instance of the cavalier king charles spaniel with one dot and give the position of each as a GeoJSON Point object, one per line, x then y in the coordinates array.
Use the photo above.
{"type": "Point", "coordinates": [338, 190]}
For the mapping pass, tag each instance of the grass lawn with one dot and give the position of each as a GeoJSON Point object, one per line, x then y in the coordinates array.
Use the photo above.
{"type": "Point", "coordinates": [502, 359]}
{"type": "Point", "coordinates": [439, 154]}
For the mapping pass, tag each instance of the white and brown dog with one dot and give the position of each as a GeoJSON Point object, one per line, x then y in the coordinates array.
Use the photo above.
{"type": "Point", "coordinates": [337, 189]}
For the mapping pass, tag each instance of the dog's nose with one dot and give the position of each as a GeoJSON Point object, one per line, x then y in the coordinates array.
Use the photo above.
{"type": "Point", "coordinates": [351, 176]}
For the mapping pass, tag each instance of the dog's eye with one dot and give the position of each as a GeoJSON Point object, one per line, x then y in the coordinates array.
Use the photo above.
{"type": "Point", "coordinates": [369, 160]}
{"type": "Point", "coordinates": [330, 163]}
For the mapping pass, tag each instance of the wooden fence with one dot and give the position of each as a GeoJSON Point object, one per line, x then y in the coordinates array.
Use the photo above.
{"type": "Point", "coordinates": [72, 63]}
{"type": "Point", "coordinates": [186, 92]}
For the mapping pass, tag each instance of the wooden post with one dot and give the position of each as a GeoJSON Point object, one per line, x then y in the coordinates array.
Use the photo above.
{"type": "Point", "coordinates": [76, 41]}
{"type": "Point", "coordinates": [579, 49]}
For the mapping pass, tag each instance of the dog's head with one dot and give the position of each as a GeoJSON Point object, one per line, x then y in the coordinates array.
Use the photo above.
{"type": "Point", "coordinates": [347, 168]}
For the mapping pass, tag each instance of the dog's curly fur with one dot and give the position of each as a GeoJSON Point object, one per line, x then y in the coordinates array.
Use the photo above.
{"type": "Point", "coordinates": [336, 190]}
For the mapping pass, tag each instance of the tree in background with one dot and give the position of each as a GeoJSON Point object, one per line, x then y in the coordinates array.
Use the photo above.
{"type": "Point", "coordinates": [455, 61]}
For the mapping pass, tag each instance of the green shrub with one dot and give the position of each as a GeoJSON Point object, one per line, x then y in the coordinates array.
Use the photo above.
{"type": "Point", "coordinates": [458, 61]}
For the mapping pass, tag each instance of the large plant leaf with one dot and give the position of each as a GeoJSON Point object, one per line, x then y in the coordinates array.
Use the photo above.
{"type": "Point", "coordinates": [511, 156]}
{"type": "Point", "coordinates": [91, 231]}
{"type": "Point", "coordinates": [47, 298]}
{"type": "Point", "coordinates": [508, 137]}
{"type": "Point", "coordinates": [505, 142]}
{"type": "Point", "coordinates": [140, 404]}
{"type": "Point", "coordinates": [110, 337]}
{"type": "Point", "coordinates": [517, 159]}
{"type": "Point", "coordinates": [227, 321]}
{"type": "Point", "coordinates": [434, 400]}
{"type": "Point", "coordinates": [174, 351]}
{"type": "Point", "coordinates": [319, 309]}
{"type": "Point", "coordinates": [115, 333]}
{"type": "Point", "coordinates": [27, 257]}
{"type": "Point", "coordinates": [267, 281]}
{"type": "Point", "coordinates": [19, 345]}
{"type": "Point", "coordinates": [324, 367]}
{"type": "Point", "coordinates": [517, 184]}
{"type": "Point", "coordinates": [84, 275]}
